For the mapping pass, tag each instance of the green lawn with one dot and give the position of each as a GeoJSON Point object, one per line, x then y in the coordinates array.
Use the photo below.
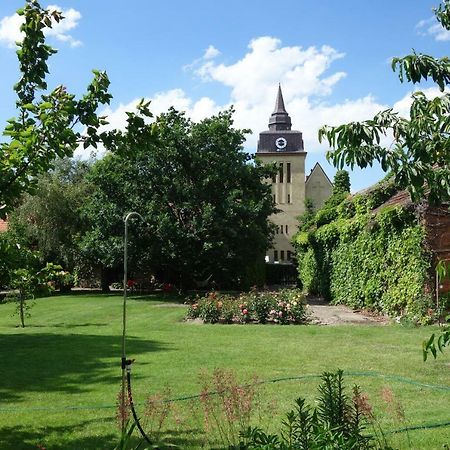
{"type": "Point", "coordinates": [60, 376]}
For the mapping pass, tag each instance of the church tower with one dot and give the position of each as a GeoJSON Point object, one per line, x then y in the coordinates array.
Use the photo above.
{"type": "Point", "coordinates": [284, 146]}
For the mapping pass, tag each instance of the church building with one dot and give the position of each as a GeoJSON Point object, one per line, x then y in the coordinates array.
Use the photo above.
{"type": "Point", "coordinates": [284, 146]}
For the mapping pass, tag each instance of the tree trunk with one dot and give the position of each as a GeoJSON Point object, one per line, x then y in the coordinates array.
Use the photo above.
{"type": "Point", "coordinates": [21, 310]}
{"type": "Point", "coordinates": [104, 280]}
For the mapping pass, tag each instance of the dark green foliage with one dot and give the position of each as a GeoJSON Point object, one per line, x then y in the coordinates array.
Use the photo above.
{"type": "Point", "coordinates": [49, 220]}
{"type": "Point", "coordinates": [337, 422]}
{"type": "Point", "coordinates": [203, 199]}
{"type": "Point", "coordinates": [378, 262]}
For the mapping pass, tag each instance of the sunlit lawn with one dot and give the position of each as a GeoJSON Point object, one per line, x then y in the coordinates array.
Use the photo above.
{"type": "Point", "coordinates": [61, 374]}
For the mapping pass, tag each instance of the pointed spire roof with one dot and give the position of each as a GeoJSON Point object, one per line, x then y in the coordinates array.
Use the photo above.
{"type": "Point", "coordinates": [279, 120]}
{"type": "Point", "coordinates": [279, 102]}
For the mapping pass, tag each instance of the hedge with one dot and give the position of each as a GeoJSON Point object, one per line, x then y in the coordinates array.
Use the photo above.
{"type": "Point", "coordinates": [365, 260]}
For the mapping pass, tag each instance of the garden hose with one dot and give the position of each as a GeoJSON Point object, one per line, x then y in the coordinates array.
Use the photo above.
{"type": "Point", "coordinates": [395, 378]}
{"type": "Point", "coordinates": [370, 374]}
{"type": "Point", "coordinates": [128, 363]}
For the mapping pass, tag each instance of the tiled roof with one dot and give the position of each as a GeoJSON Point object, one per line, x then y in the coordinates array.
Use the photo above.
{"type": "Point", "coordinates": [401, 198]}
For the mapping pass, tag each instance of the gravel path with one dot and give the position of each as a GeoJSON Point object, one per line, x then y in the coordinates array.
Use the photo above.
{"type": "Point", "coordinates": [322, 313]}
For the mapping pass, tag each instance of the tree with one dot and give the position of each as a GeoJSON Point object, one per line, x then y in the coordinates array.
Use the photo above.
{"type": "Point", "coordinates": [45, 127]}
{"type": "Point", "coordinates": [419, 157]}
{"type": "Point", "coordinates": [204, 200]}
{"type": "Point", "coordinates": [341, 183]}
{"type": "Point", "coordinates": [49, 220]}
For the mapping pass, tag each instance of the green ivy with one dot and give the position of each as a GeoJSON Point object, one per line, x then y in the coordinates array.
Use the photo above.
{"type": "Point", "coordinates": [365, 260]}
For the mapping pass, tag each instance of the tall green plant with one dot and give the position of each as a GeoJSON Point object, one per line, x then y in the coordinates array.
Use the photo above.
{"type": "Point", "coordinates": [338, 422]}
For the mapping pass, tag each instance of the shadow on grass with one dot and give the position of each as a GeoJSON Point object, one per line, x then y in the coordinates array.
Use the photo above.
{"type": "Point", "coordinates": [67, 325]}
{"type": "Point", "coordinates": [24, 438]}
{"type": "Point", "coordinates": [67, 363]}
{"type": "Point", "coordinates": [160, 297]}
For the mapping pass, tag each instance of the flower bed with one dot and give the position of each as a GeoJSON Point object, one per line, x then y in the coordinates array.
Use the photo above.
{"type": "Point", "coordinates": [287, 306]}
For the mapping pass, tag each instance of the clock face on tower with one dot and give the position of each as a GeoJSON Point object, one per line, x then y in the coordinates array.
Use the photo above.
{"type": "Point", "coordinates": [280, 143]}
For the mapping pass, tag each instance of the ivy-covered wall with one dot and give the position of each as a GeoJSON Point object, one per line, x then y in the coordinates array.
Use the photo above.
{"type": "Point", "coordinates": [379, 261]}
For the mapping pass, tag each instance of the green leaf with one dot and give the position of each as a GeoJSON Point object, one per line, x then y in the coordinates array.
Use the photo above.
{"type": "Point", "coordinates": [45, 105]}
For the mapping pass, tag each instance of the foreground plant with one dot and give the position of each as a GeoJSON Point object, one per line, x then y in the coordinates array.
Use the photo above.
{"type": "Point", "coordinates": [126, 439]}
{"type": "Point", "coordinates": [337, 422]}
{"type": "Point", "coordinates": [228, 406]}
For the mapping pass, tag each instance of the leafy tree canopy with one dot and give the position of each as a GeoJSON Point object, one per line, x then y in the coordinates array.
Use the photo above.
{"type": "Point", "coordinates": [341, 182]}
{"type": "Point", "coordinates": [50, 219]}
{"type": "Point", "coordinates": [419, 157]}
{"type": "Point", "coordinates": [204, 201]}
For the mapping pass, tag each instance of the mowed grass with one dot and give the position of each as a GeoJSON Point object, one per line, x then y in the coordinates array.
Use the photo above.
{"type": "Point", "coordinates": [61, 374]}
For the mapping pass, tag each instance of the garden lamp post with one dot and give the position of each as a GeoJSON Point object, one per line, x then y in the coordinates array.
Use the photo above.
{"type": "Point", "coordinates": [124, 313]}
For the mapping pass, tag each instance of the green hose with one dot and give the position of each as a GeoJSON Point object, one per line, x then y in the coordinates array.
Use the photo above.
{"type": "Point", "coordinates": [396, 378]}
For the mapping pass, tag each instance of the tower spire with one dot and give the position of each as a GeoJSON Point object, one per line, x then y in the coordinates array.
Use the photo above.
{"type": "Point", "coordinates": [279, 120]}
{"type": "Point", "coordinates": [279, 102]}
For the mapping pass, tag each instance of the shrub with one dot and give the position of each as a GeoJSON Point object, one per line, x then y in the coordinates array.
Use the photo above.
{"type": "Point", "coordinates": [283, 307]}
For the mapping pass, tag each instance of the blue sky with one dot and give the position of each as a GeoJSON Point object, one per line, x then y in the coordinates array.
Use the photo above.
{"type": "Point", "coordinates": [331, 57]}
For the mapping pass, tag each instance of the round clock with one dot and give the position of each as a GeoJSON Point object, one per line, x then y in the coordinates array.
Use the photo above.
{"type": "Point", "coordinates": [281, 143]}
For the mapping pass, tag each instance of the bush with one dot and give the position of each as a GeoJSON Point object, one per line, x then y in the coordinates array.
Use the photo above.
{"type": "Point", "coordinates": [282, 307]}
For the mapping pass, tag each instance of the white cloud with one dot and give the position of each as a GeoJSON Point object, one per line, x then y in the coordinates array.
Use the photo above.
{"type": "Point", "coordinates": [429, 27]}
{"type": "Point", "coordinates": [253, 81]}
{"type": "Point", "coordinates": [267, 63]}
{"type": "Point", "coordinates": [303, 74]}
{"type": "Point", "coordinates": [70, 21]}
{"type": "Point", "coordinates": [211, 52]}
{"type": "Point", "coordinates": [10, 30]}
{"type": "Point", "coordinates": [10, 27]}
{"type": "Point", "coordinates": [403, 105]}
{"type": "Point", "coordinates": [160, 102]}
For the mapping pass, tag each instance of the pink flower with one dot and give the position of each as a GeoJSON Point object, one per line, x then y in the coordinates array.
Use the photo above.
{"type": "Point", "coordinates": [244, 311]}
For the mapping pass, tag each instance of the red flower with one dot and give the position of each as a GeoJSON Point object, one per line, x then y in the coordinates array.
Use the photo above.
{"type": "Point", "coordinates": [244, 311]}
